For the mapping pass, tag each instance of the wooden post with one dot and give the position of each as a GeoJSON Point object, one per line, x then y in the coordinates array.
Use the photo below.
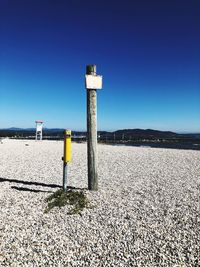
{"type": "Point", "coordinates": [92, 133]}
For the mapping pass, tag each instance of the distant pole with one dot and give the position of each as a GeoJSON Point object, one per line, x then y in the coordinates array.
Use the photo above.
{"type": "Point", "coordinates": [93, 82]}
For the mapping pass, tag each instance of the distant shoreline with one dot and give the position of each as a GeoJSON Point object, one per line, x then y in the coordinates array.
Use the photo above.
{"type": "Point", "coordinates": [170, 145]}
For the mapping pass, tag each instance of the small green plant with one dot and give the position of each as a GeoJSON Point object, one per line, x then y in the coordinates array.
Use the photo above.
{"type": "Point", "coordinates": [77, 199]}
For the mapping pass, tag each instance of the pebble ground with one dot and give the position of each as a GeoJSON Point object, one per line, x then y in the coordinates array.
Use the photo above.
{"type": "Point", "coordinates": [146, 212]}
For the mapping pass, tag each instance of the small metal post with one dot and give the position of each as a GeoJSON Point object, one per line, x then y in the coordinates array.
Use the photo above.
{"type": "Point", "coordinates": [65, 176]}
{"type": "Point", "coordinates": [67, 156]}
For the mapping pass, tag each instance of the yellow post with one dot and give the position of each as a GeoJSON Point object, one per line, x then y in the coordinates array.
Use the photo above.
{"type": "Point", "coordinates": [67, 156]}
{"type": "Point", "coordinates": [67, 146]}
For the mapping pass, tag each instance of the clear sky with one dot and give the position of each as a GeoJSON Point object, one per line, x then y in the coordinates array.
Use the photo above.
{"type": "Point", "coordinates": [147, 51]}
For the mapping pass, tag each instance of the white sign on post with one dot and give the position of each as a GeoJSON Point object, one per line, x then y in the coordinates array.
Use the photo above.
{"type": "Point", "coordinates": [93, 82]}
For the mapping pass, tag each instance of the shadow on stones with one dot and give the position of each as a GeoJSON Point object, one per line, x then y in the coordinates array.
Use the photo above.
{"type": "Point", "coordinates": [30, 189]}
{"type": "Point", "coordinates": [35, 184]}
{"type": "Point", "coordinates": [28, 182]}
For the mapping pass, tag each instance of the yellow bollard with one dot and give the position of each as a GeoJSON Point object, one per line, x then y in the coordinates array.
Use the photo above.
{"type": "Point", "coordinates": [67, 156]}
{"type": "Point", "coordinates": [67, 146]}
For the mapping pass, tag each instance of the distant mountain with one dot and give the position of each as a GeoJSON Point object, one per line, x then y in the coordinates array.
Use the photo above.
{"type": "Point", "coordinates": [119, 134]}
{"type": "Point", "coordinates": [146, 133]}
{"type": "Point", "coordinates": [12, 129]}
{"type": "Point", "coordinates": [31, 129]}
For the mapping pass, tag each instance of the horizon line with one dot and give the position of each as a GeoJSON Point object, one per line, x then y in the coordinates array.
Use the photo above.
{"type": "Point", "coordinates": [145, 129]}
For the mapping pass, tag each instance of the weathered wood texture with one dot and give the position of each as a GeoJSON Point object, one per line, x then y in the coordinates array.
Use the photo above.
{"type": "Point", "coordinates": [92, 133]}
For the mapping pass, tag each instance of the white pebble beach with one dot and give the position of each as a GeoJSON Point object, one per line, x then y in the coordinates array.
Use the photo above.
{"type": "Point", "coordinates": [145, 213]}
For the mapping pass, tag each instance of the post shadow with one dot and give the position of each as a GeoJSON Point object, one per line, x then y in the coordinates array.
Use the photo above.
{"type": "Point", "coordinates": [35, 184]}
{"type": "Point", "coordinates": [29, 189]}
{"type": "Point", "coordinates": [28, 182]}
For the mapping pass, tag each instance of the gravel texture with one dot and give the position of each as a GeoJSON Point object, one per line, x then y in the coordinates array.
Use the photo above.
{"type": "Point", "coordinates": [146, 212]}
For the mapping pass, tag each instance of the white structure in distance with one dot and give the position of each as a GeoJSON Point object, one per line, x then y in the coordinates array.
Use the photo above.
{"type": "Point", "coordinates": [38, 134]}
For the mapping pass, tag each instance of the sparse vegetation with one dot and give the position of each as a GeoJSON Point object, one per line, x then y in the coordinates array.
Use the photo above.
{"type": "Point", "coordinates": [77, 199]}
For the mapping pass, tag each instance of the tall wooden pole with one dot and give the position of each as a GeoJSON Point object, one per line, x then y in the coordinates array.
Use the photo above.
{"type": "Point", "coordinates": [92, 133]}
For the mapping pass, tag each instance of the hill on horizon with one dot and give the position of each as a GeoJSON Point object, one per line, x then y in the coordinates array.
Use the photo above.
{"type": "Point", "coordinates": [131, 133]}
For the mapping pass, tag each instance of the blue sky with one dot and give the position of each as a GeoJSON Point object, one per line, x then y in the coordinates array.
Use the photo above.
{"type": "Point", "coordinates": [147, 51]}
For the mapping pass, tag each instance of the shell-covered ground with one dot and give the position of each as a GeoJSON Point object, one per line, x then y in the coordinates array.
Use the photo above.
{"type": "Point", "coordinates": [145, 213]}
